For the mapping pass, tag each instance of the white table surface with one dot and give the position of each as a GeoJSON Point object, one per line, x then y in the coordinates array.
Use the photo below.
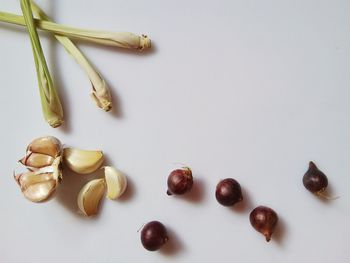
{"type": "Point", "coordinates": [252, 90]}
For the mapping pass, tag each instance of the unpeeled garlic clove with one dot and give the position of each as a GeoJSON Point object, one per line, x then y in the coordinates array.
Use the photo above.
{"type": "Point", "coordinates": [37, 160]}
{"type": "Point", "coordinates": [41, 152]}
{"type": "Point", "coordinates": [47, 145]}
{"type": "Point", "coordinates": [116, 182]}
{"type": "Point", "coordinates": [90, 196]}
{"type": "Point", "coordinates": [37, 187]}
{"type": "Point", "coordinates": [82, 161]}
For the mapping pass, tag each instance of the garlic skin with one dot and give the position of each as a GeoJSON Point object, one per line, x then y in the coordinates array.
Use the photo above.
{"type": "Point", "coordinates": [82, 161]}
{"type": "Point", "coordinates": [90, 196]}
{"type": "Point", "coordinates": [116, 182]}
{"type": "Point", "coordinates": [39, 185]}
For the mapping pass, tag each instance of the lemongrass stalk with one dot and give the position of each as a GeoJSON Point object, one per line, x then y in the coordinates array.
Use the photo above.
{"type": "Point", "coordinates": [50, 101]}
{"type": "Point", "coordinates": [118, 39]}
{"type": "Point", "coordinates": [100, 91]}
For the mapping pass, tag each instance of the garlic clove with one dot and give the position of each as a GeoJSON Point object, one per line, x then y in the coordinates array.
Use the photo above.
{"type": "Point", "coordinates": [41, 191]}
{"type": "Point", "coordinates": [48, 145]}
{"type": "Point", "coordinates": [116, 182]}
{"type": "Point", "coordinates": [82, 161]}
{"type": "Point", "coordinates": [37, 160]}
{"type": "Point", "coordinates": [90, 196]}
{"type": "Point", "coordinates": [37, 187]}
{"type": "Point", "coordinates": [25, 180]}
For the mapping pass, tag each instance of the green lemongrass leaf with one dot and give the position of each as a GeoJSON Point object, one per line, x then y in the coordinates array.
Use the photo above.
{"type": "Point", "coordinates": [118, 39]}
{"type": "Point", "coordinates": [100, 92]}
{"type": "Point", "coordinates": [50, 102]}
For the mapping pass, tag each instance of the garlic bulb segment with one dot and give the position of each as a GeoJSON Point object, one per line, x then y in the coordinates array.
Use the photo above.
{"type": "Point", "coordinates": [37, 186]}
{"type": "Point", "coordinates": [36, 160]}
{"type": "Point", "coordinates": [90, 196]}
{"type": "Point", "coordinates": [116, 182]}
{"type": "Point", "coordinates": [47, 145]}
{"type": "Point", "coordinates": [82, 161]}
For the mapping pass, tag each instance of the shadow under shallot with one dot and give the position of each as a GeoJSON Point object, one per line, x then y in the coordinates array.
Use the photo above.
{"type": "Point", "coordinates": [245, 205]}
{"type": "Point", "coordinates": [173, 246]}
{"type": "Point", "coordinates": [280, 232]}
{"type": "Point", "coordinates": [195, 195]}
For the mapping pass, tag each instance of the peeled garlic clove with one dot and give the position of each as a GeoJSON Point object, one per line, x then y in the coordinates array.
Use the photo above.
{"type": "Point", "coordinates": [116, 182]}
{"type": "Point", "coordinates": [48, 145]}
{"type": "Point", "coordinates": [37, 160]}
{"type": "Point", "coordinates": [90, 196]}
{"type": "Point", "coordinates": [36, 186]}
{"type": "Point", "coordinates": [82, 161]}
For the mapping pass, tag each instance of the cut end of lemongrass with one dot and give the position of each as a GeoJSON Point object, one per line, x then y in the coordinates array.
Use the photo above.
{"type": "Point", "coordinates": [101, 103]}
{"type": "Point", "coordinates": [50, 102]}
{"type": "Point", "coordinates": [52, 108]}
{"type": "Point", "coordinates": [101, 94]}
{"type": "Point", "coordinates": [145, 42]}
{"type": "Point", "coordinates": [55, 123]}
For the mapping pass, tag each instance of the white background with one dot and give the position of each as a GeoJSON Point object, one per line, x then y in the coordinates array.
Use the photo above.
{"type": "Point", "coordinates": [252, 90]}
